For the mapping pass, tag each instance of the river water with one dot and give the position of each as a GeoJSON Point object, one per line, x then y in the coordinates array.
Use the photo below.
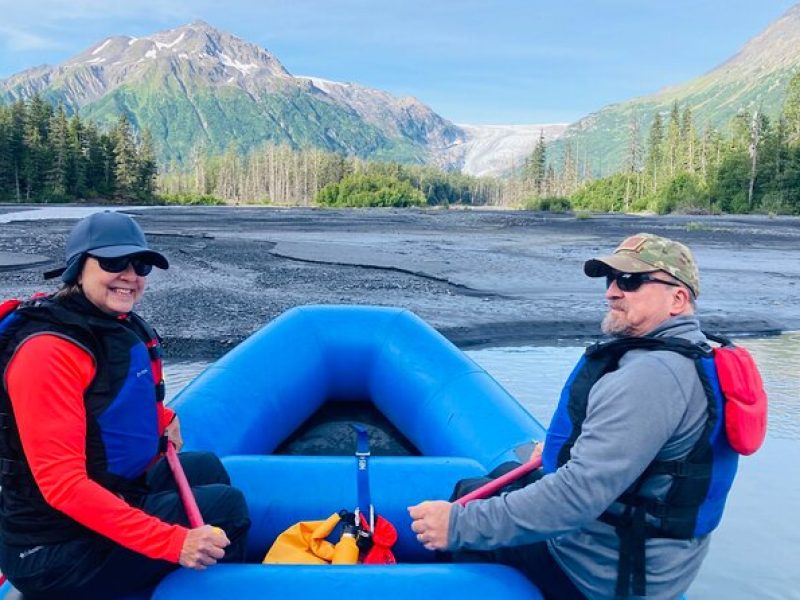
{"type": "Point", "coordinates": [755, 551]}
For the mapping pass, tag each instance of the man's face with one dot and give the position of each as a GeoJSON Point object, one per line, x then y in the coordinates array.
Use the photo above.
{"type": "Point", "coordinates": [636, 313]}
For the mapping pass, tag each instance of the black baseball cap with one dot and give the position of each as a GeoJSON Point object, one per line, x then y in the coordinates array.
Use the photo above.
{"type": "Point", "coordinates": [106, 234]}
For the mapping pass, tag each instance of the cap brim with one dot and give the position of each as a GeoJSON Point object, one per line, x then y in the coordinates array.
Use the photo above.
{"type": "Point", "coordinates": [156, 258]}
{"type": "Point", "coordinates": [603, 265]}
{"type": "Point", "coordinates": [53, 273]}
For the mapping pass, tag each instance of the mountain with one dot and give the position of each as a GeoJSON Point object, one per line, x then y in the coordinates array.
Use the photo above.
{"type": "Point", "coordinates": [197, 87]}
{"type": "Point", "coordinates": [755, 78]}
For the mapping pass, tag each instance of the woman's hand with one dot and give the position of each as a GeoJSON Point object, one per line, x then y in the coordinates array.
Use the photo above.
{"type": "Point", "coordinates": [203, 547]}
{"type": "Point", "coordinates": [173, 433]}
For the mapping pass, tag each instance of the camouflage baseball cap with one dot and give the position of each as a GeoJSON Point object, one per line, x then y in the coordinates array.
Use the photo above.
{"type": "Point", "coordinates": [644, 253]}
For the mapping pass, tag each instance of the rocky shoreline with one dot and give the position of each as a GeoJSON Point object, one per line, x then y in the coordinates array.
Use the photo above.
{"type": "Point", "coordinates": [481, 277]}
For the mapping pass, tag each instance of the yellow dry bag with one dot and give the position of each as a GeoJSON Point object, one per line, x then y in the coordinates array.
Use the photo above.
{"type": "Point", "coordinates": [304, 543]}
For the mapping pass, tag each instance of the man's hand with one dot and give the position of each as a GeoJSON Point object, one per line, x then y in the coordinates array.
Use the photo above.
{"type": "Point", "coordinates": [203, 547]}
{"type": "Point", "coordinates": [431, 521]}
{"type": "Point", "coordinates": [538, 449]}
{"type": "Point", "coordinates": [173, 433]}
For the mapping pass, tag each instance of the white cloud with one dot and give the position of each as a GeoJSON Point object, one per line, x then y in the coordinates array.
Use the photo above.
{"type": "Point", "coordinates": [19, 40]}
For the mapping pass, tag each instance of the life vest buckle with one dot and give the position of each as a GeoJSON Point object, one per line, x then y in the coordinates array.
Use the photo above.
{"type": "Point", "coordinates": [8, 467]}
{"type": "Point", "coordinates": [682, 469]}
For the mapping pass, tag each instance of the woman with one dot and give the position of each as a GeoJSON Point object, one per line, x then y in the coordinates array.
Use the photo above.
{"type": "Point", "coordinates": [88, 508]}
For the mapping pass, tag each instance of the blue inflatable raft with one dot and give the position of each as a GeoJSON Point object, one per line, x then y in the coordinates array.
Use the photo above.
{"type": "Point", "coordinates": [455, 421]}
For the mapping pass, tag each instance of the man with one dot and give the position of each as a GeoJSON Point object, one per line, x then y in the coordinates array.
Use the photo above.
{"type": "Point", "coordinates": [627, 499]}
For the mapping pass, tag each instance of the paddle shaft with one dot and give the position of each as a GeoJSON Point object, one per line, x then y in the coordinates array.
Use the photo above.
{"type": "Point", "coordinates": [490, 488]}
{"type": "Point", "coordinates": [187, 497]}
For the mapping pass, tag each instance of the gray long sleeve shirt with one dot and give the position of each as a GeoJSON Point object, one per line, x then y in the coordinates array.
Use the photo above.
{"type": "Point", "coordinates": [652, 407]}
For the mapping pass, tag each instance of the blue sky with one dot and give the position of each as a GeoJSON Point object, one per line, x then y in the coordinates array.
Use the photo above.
{"type": "Point", "coordinates": [503, 61]}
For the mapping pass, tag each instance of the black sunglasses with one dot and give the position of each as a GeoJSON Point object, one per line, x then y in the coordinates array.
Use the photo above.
{"type": "Point", "coordinates": [630, 282]}
{"type": "Point", "coordinates": [118, 264]}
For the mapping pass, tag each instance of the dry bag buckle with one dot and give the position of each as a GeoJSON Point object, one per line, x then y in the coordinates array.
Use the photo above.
{"type": "Point", "coordinates": [370, 519]}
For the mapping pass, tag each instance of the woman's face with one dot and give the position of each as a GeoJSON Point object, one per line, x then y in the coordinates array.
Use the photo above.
{"type": "Point", "coordinates": [113, 293]}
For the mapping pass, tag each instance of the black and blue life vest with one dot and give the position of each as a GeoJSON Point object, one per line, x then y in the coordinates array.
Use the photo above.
{"type": "Point", "coordinates": [700, 481]}
{"type": "Point", "coordinates": [122, 437]}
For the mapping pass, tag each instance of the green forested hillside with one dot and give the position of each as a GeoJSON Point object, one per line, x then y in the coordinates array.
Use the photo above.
{"type": "Point", "coordinates": [754, 166]}
{"type": "Point", "coordinates": [186, 120]}
{"type": "Point", "coordinates": [755, 79]}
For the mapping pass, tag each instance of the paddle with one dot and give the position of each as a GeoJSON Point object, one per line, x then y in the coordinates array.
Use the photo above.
{"type": "Point", "coordinates": [490, 488]}
{"type": "Point", "coordinates": [185, 492]}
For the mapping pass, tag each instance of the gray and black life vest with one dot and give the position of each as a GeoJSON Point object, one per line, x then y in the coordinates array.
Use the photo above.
{"type": "Point", "coordinates": [700, 481]}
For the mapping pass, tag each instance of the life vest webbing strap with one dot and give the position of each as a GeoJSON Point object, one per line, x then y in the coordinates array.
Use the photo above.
{"type": "Point", "coordinates": [631, 528]}
{"type": "Point", "coordinates": [679, 468]}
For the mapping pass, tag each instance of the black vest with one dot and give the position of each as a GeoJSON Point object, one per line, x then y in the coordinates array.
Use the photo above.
{"type": "Point", "coordinates": [121, 412]}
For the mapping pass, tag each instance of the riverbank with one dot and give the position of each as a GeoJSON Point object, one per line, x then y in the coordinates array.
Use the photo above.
{"type": "Point", "coordinates": [481, 277]}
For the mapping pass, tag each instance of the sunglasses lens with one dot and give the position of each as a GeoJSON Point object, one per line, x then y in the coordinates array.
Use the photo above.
{"type": "Point", "coordinates": [627, 282]}
{"type": "Point", "coordinates": [141, 268]}
{"type": "Point", "coordinates": [113, 265]}
{"type": "Point", "coordinates": [118, 264]}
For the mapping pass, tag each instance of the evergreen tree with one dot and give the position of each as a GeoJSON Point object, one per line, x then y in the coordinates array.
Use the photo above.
{"type": "Point", "coordinates": [108, 151]}
{"type": "Point", "coordinates": [34, 158]}
{"type": "Point", "coordinates": [569, 171]}
{"type": "Point", "coordinates": [536, 166]}
{"type": "Point", "coordinates": [673, 141]}
{"type": "Point", "coordinates": [791, 110]}
{"type": "Point", "coordinates": [95, 161]}
{"type": "Point", "coordinates": [60, 171]}
{"type": "Point", "coordinates": [688, 147]}
{"type": "Point", "coordinates": [148, 168]}
{"type": "Point", "coordinates": [655, 156]}
{"type": "Point", "coordinates": [6, 158]}
{"type": "Point", "coordinates": [17, 146]}
{"type": "Point", "coordinates": [126, 165]}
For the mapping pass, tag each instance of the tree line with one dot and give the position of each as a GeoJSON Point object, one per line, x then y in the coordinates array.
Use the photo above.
{"type": "Point", "coordinates": [282, 175]}
{"type": "Point", "coordinates": [48, 156]}
{"type": "Point", "coordinates": [754, 166]}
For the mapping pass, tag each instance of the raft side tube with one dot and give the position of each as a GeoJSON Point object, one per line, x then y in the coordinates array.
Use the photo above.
{"type": "Point", "coordinates": [254, 397]}
{"type": "Point", "coordinates": [394, 582]}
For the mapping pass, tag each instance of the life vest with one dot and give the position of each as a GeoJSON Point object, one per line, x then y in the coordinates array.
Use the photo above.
{"type": "Point", "coordinates": [694, 503]}
{"type": "Point", "coordinates": [122, 437]}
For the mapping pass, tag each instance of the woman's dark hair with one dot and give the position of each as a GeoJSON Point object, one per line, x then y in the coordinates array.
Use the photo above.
{"type": "Point", "coordinates": [68, 290]}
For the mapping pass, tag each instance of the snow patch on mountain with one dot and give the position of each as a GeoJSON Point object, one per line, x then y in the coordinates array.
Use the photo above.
{"type": "Point", "coordinates": [101, 46]}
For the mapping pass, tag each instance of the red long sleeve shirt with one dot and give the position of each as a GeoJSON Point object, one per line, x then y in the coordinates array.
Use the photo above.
{"type": "Point", "coordinates": [46, 380]}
